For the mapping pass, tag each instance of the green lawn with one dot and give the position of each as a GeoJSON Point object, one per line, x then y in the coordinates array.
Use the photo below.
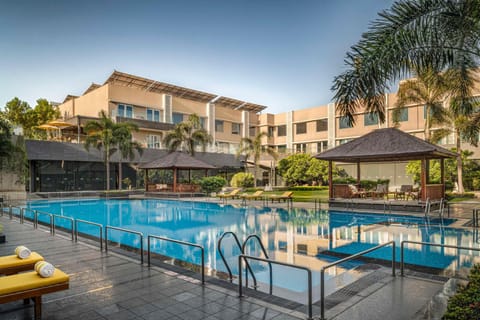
{"type": "Point", "coordinates": [305, 196]}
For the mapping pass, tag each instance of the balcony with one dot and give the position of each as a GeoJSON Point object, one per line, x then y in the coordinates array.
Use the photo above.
{"type": "Point", "coordinates": [147, 124]}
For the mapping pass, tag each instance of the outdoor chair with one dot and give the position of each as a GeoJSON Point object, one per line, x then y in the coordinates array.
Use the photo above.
{"type": "Point", "coordinates": [29, 285]}
{"type": "Point", "coordinates": [13, 264]}
{"type": "Point", "coordinates": [287, 195]}
{"type": "Point", "coordinates": [356, 192]}
{"type": "Point", "coordinates": [381, 191]}
{"type": "Point", "coordinates": [253, 196]}
{"type": "Point", "coordinates": [405, 190]}
{"type": "Point", "coordinates": [233, 194]}
{"type": "Point", "coordinates": [413, 194]}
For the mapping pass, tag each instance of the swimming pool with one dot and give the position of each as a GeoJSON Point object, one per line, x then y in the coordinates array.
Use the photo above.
{"type": "Point", "coordinates": [299, 236]}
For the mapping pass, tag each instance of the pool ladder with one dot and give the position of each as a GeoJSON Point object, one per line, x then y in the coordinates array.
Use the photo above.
{"type": "Point", "coordinates": [242, 248]}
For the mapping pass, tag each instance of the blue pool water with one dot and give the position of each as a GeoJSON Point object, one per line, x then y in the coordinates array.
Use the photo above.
{"type": "Point", "coordinates": [297, 236]}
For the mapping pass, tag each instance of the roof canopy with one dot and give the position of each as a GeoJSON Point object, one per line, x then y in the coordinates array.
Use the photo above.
{"type": "Point", "coordinates": [384, 145]}
{"type": "Point", "coordinates": [179, 160]}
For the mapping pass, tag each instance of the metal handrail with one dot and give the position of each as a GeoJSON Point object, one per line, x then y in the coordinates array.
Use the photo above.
{"type": "Point", "coordinates": [219, 246]}
{"type": "Point", "coordinates": [100, 228]}
{"type": "Point", "coordinates": [182, 243]}
{"type": "Point", "coordinates": [322, 271]}
{"type": "Point", "coordinates": [254, 236]}
{"type": "Point", "coordinates": [47, 214]}
{"type": "Point", "coordinates": [72, 229]}
{"type": "Point", "coordinates": [128, 231]}
{"type": "Point", "coordinates": [309, 276]}
{"type": "Point", "coordinates": [402, 245]}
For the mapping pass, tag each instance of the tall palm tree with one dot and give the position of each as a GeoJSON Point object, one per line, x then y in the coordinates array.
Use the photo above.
{"type": "Point", "coordinates": [100, 134]}
{"type": "Point", "coordinates": [253, 148]}
{"type": "Point", "coordinates": [428, 88]}
{"type": "Point", "coordinates": [187, 135]}
{"type": "Point", "coordinates": [413, 33]}
{"type": "Point", "coordinates": [127, 147]}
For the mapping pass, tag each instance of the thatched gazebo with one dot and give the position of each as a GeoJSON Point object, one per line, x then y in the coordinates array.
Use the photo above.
{"type": "Point", "coordinates": [175, 161]}
{"type": "Point", "coordinates": [390, 145]}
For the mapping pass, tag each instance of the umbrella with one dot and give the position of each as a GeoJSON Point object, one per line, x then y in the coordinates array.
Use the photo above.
{"type": "Point", "coordinates": [60, 124]}
{"type": "Point", "coordinates": [47, 127]}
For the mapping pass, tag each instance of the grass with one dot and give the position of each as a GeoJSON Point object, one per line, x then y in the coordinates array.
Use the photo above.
{"type": "Point", "coordinates": [305, 196]}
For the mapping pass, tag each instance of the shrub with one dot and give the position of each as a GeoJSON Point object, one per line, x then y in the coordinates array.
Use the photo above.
{"type": "Point", "coordinates": [212, 184]}
{"type": "Point", "coordinates": [242, 180]}
{"type": "Point", "coordinates": [468, 195]}
{"type": "Point", "coordinates": [465, 304]}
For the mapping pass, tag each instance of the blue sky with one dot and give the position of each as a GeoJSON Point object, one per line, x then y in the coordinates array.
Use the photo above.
{"type": "Point", "coordinates": [282, 54]}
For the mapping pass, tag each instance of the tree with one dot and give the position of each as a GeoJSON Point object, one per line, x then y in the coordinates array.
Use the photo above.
{"type": "Point", "coordinates": [253, 148]}
{"type": "Point", "coordinates": [100, 134]}
{"type": "Point", "coordinates": [123, 137]}
{"type": "Point", "coordinates": [421, 34]}
{"type": "Point", "coordinates": [20, 113]}
{"type": "Point", "coordinates": [187, 135]}
{"type": "Point", "coordinates": [428, 88]}
{"type": "Point", "coordinates": [6, 146]}
{"type": "Point", "coordinates": [299, 169]}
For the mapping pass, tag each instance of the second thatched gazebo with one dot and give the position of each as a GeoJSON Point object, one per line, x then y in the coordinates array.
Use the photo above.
{"type": "Point", "coordinates": [390, 145]}
{"type": "Point", "coordinates": [175, 161]}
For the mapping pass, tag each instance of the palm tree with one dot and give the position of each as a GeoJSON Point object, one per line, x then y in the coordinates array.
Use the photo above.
{"type": "Point", "coordinates": [123, 138]}
{"type": "Point", "coordinates": [413, 33]}
{"type": "Point", "coordinates": [101, 135]}
{"type": "Point", "coordinates": [253, 148]}
{"type": "Point", "coordinates": [428, 88]}
{"type": "Point", "coordinates": [187, 135]}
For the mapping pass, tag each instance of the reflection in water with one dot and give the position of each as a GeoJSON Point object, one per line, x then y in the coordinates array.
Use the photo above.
{"type": "Point", "coordinates": [298, 236]}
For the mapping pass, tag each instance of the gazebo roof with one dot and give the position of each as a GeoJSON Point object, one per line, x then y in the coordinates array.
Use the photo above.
{"type": "Point", "coordinates": [179, 160]}
{"type": "Point", "coordinates": [384, 145]}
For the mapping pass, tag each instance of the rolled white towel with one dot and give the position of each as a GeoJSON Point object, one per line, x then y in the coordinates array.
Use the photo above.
{"type": "Point", "coordinates": [22, 252]}
{"type": "Point", "coordinates": [44, 269]}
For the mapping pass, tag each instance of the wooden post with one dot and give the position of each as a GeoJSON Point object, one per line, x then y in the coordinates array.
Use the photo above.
{"type": "Point", "coordinates": [358, 173]}
{"type": "Point", "coordinates": [423, 179]}
{"type": "Point", "coordinates": [330, 182]}
{"type": "Point", "coordinates": [174, 179]}
{"type": "Point", "coordinates": [442, 176]}
{"type": "Point", "coordinates": [145, 179]}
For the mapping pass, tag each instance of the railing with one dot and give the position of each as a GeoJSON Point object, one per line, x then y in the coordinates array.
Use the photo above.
{"type": "Point", "coordinates": [475, 217]}
{"type": "Point", "coordinates": [39, 213]}
{"type": "Point", "coordinates": [309, 276]}
{"type": "Point", "coordinates": [219, 246]}
{"type": "Point", "coordinates": [72, 224]}
{"type": "Point", "coordinates": [254, 236]}
{"type": "Point", "coordinates": [100, 229]}
{"type": "Point", "coordinates": [127, 231]}
{"type": "Point", "coordinates": [182, 243]}
{"type": "Point", "coordinates": [322, 271]}
{"type": "Point", "coordinates": [402, 245]}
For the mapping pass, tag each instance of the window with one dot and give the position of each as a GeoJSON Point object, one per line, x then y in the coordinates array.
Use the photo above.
{"type": "Point", "coordinates": [252, 131]}
{"type": "Point", "coordinates": [282, 148]}
{"type": "Point", "coordinates": [322, 146]}
{"type": "Point", "coordinates": [153, 141]}
{"type": "Point", "coordinates": [402, 114]}
{"type": "Point", "coordinates": [271, 131]}
{"type": "Point", "coordinates": [437, 104]}
{"type": "Point", "coordinates": [218, 126]}
{"type": "Point", "coordinates": [300, 147]}
{"type": "Point", "coordinates": [203, 123]}
{"type": "Point", "coordinates": [370, 119]}
{"type": "Point", "coordinates": [124, 111]}
{"type": "Point", "coordinates": [322, 125]}
{"type": "Point", "coordinates": [301, 128]}
{"type": "Point", "coordinates": [343, 123]}
{"type": "Point", "coordinates": [282, 131]}
{"type": "Point", "coordinates": [235, 128]}
{"type": "Point", "coordinates": [177, 117]}
{"type": "Point", "coordinates": [153, 115]}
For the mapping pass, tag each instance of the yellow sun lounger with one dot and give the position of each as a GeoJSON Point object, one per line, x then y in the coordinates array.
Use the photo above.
{"type": "Point", "coordinates": [13, 264]}
{"type": "Point", "coordinates": [30, 285]}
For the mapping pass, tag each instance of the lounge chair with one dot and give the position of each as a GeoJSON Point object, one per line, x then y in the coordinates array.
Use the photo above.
{"type": "Point", "coordinates": [30, 285]}
{"type": "Point", "coordinates": [13, 264]}
{"type": "Point", "coordinates": [233, 194]}
{"type": "Point", "coordinates": [253, 196]}
{"type": "Point", "coordinates": [287, 195]}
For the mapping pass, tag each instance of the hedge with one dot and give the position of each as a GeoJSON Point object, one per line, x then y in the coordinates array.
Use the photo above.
{"type": "Point", "coordinates": [465, 304]}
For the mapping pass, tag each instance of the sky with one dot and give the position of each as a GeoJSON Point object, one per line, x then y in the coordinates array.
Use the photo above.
{"type": "Point", "coordinates": [277, 53]}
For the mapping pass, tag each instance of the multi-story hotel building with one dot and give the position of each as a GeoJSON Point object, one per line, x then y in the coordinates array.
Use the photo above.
{"type": "Point", "coordinates": [156, 107]}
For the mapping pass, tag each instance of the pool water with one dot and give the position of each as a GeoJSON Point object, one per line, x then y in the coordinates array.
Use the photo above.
{"type": "Point", "coordinates": [298, 236]}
